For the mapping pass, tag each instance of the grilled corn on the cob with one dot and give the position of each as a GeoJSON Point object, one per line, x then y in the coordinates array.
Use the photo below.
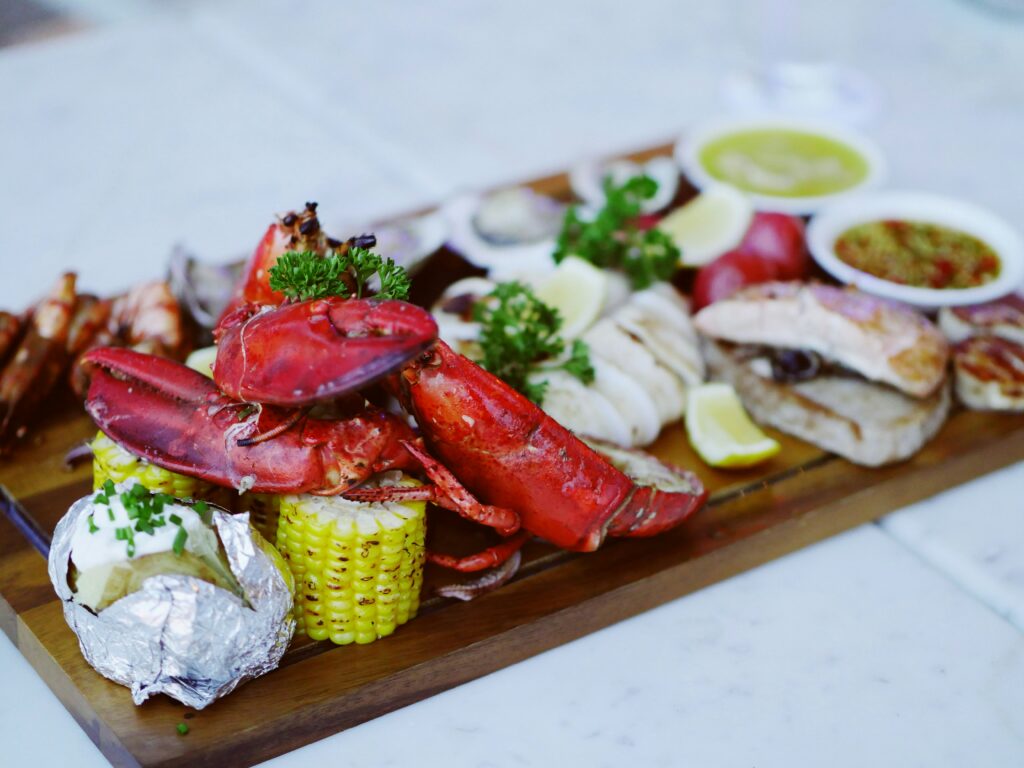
{"type": "Point", "coordinates": [358, 567]}
{"type": "Point", "coordinates": [112, 462]}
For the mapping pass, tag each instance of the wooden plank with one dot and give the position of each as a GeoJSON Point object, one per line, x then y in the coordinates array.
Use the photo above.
{"type": "Point", "coordinates": [800, 497]}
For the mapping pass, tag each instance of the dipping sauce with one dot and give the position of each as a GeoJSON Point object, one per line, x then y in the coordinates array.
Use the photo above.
{"type": "Point", "coordinates": [918, 254]}
{"type": "Point", "coordinates": [784, 163]}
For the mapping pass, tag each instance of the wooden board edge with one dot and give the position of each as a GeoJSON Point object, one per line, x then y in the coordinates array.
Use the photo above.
{"type": "Point", "coordinates": [602, 610]}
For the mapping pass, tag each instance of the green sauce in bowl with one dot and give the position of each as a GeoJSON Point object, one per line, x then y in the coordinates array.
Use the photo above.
{"type": "Point", "coordinates": [783, 162]}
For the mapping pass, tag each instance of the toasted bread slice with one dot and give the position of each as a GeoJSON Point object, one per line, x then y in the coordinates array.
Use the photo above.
{"type": "Point", "coordinates": [878, 339]}
{"type": "Point", "coordinates": [867, 423]}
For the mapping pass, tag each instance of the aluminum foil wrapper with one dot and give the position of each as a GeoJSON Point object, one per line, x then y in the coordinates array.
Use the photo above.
{"type": "Point", "coordinates": [180, 635]}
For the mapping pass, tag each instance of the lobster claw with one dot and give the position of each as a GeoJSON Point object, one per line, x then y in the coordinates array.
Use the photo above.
{"type": "Point", "coordinates": [177, 419]}
{"type": "Point", "coordinates": [298, 354]}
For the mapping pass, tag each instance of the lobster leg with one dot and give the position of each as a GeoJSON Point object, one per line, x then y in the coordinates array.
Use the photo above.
{"type": "Point", "coordinates": [446, 492]}
{"type": "Point", "coordinates": [488, 558]}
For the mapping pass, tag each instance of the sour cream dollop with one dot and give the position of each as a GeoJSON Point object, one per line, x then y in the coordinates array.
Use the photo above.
{"type": "Point", "coordinates": [96, 544]}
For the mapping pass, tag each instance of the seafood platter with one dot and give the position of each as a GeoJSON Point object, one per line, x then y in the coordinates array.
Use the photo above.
{"type": "Point", "coordinates": [253, 504]}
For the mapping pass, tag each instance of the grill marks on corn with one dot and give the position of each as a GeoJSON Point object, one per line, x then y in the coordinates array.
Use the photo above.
{"type": "Point", "coordinates": [360, 566]}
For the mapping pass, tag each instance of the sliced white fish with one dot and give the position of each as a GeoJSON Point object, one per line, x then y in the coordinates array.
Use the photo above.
{"type": "Point", "coordinates": [670, 348]}
{"type": "Point", "coordinates": [582, 408]}
{"type": "Point", "coordinates": [669, 305]}
{"type": "Point", "coordinates": [629, 398]}
{"type": "Point", "coordinates": [608, 341]}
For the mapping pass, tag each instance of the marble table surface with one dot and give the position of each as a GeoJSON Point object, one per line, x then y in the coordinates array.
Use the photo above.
{"type": "Point", "coordinates": [898, 643]}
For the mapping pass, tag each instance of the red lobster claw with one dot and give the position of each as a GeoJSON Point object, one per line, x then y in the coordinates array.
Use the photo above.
{"type": "Point", "coordinates": [177, 419]}
{"type": "Point", "coordinates": [297, 354]}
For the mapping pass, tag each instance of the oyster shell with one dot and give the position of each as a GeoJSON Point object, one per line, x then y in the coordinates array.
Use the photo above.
{"type": "Point", "coordinates": [587, 179]}
{"type": "Point", "coordinates": [517, 216]}
{"type": "Point", "coordinates": [510, 233]}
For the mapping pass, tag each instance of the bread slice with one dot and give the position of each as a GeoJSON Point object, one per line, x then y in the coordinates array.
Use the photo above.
{"type": "Point", "coordinates": [878, 339]}
{"type": "Point", "coordinates": [867, 423]}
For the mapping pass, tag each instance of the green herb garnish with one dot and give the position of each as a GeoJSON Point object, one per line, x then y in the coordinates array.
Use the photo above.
{"type": "Point", "coordinates": [611, 238]}
{"type": "Point", "coordinates": [182, 729]}
{"type": "Point", "coordinates": [179, 541]}
{"type": "Point", "coordinates": [125, 533]}
{"type": "Point", "coordinates": [517, 332]}
{"type": "Point", "coordinates": [92, 525]}
{"type": "Point", "coordinates": [306, 275]}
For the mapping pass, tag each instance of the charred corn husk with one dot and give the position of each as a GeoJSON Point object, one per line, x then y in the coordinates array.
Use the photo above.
{"type": "Point", "coordinates": [112, 462]}
{"type": "Point", "coordinates": [358, 567]}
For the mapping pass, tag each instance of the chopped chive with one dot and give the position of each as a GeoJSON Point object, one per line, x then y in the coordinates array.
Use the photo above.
{"type": "Point", "coordinates": [108, 487]}
{"type": "Point", "coordinates": [175, 519]}
{"type": "Point", "coordinates": [179, 541]}
{"type": "Point", "coordinates": [200, 507]}
{"type": "Point", "coordinates": [110, 513]}
{"type": "Point", "coordinates": [92, 525]}
{"type": "Point", "coordinates": [182, 729]}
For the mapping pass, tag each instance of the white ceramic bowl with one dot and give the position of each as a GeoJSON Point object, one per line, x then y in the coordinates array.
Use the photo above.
{"type": "Point", "coordinates": [689, 147]}
{"type": "Point", "coordinates": [827, 227]}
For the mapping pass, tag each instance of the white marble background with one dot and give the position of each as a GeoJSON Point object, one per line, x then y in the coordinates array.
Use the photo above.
{"type": "Point", "coordinates": [896, 644]}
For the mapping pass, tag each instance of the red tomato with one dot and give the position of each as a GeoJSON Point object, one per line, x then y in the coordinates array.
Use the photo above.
{"type": "Point", "coordinates": [728, 273]}
{"type": "Point", "coordinates": [779, 239]}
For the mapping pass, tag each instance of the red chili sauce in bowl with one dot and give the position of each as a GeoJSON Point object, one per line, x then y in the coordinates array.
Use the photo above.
{"type": "Point", "coordinates": [918, 254]}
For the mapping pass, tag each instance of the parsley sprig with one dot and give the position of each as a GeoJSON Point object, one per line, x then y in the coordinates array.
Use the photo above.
{"type": "Point", "coordinates": [517, 332]}
{"type": "Point", "coordinates": [302, 275]}
{"type": "Point", "coordinates": [611, 238]}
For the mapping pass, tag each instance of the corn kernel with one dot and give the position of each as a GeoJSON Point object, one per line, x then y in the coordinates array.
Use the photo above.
{"type": "Point", "coordinates": [112, 462]}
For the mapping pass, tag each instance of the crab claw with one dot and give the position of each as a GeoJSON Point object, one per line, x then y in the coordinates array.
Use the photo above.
{"type": "Point", "coordinates": [297, 354]}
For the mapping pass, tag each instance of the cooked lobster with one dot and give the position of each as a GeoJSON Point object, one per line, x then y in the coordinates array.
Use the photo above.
{"type": "Point", "coordinates": [518, 470]}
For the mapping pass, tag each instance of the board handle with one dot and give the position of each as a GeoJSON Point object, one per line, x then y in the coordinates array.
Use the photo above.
{"type": "Point", "coordinates": [24, 522]}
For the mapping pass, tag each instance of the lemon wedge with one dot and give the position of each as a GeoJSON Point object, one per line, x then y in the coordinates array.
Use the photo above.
{"type": "Point", "coordinates": [202, 360]}
{"type": "Point", "coordinates": [720, 430]}
{"type": "Point", "coordinates": [709, 225]}
{"type": "Point", "coordinates": [577, 289]}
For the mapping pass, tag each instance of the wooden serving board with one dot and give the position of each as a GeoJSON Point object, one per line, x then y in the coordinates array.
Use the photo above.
{"type": "Point", "coordinates": [801, 496]}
